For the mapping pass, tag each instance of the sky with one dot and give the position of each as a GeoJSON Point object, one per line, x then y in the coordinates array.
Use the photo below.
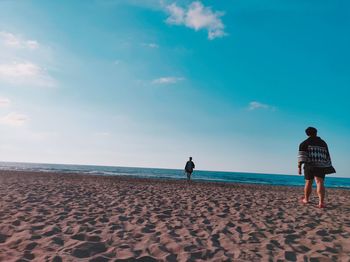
{"type": "Point", "coordinates": [149, 83]}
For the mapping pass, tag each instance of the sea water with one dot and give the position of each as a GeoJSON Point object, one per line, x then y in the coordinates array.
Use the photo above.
{"type": "Point", "coordinates": [213, 176]}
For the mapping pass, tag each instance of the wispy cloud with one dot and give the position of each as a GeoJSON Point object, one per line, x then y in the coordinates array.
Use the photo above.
{"type": "Point", "coordinates": [4, 102]}
{"type": "Point", "coordinates": [198, 17]}
{"type": "Point", "coordinates": [24, 61]}
{"type": "Point", "coordinates": [254, 105]}
{"type": "Point", "coordinates": [16, 41]}
{"type": "Point", "coordinates": [150, 45]}
{"type": "Point", "coordinates": [14, 119]}
{"type": "Point", "coordinates": [167, 80]}
{"type": "Point", "coordinates": [25, 73]}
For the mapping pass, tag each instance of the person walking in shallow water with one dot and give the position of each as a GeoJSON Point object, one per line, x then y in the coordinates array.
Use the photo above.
{"type": "Point", "coordinates": [189, 168]}
{"type": "Point", "coordinates": [314, 155]}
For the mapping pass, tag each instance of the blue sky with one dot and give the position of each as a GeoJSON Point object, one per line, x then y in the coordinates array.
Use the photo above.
{"type": "Point", "coordinates": [148, 83]}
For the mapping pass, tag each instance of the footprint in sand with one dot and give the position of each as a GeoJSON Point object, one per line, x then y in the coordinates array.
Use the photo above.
{"type": "Point", "coordinates": [146, 259]}
{"type": "Point", "coordinates": [198, 255]}
{"type": "Point", "coordinates": [104, 219]}
{"type": "Point", "coordinates": [123, 218]}
{"type": "Point", "coordinates": [276, 243]}
{"type": "Point", "coordinates": [322, 233]}
{"type": "Point", "coordinates": [31, 246]}
{"type": "Point", "coordinates": [148, 229]}
{"type": "Point", "coordinates": [3, 238]}
{"type": "Point", "coordinates": [79, 236]}
{"type": "Point", "coordinates": [57, 259]}
{"type": "Point", "coordinates": [28, 256]}
{"type": "Point", "coordinates": [290, 239]}
{"type": "Point", "coordinates": [52, 231]}
{"type": "Point", "coordinates": [270, 247]}
{"type": "Point", "coordinates": [35, 237]}
{"type": "Point", "coordinates": [290, 256]}
{"type": "Point", "coordinates": [16, 223]}
{"type": "Point", "coordinates": [37, 227]}
{"type": "Point", "coordinates": [99, 259]}
{"type": "Point", "coordinates": [88, 249]}
{"type": "Point", "coordinates": [332, 250]}
{"type": "Point", "coordinates": [171, 258]}
{"type": "Point", "coordinates": [94, 238]}
{"type": "Point", "coordinates": [215, 240]}
{"type": "Point", "coordinates": [58, 241]}
{"type": "Point", "coordinates": [303, 249]}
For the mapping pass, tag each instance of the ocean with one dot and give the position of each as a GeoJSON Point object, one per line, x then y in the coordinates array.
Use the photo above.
{"type": "Point", "coordinates": [212, 176]}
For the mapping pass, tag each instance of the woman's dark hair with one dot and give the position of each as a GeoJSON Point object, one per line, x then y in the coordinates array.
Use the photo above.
{"type": "Point", "coordinates": [311, 131]}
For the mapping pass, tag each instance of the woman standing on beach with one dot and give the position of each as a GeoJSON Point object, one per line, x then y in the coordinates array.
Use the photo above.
{"type": "Point", "coordinates": [314, 155]}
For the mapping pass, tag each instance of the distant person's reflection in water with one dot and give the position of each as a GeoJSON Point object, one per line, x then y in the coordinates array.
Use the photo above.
{"type": "Point", "coordinates": [189, 168]}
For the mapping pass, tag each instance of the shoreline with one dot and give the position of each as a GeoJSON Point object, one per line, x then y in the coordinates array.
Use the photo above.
{"type": "Point", "coordinates": [77, 217]}
{"type": "Point", "coordinates": [194, 180]}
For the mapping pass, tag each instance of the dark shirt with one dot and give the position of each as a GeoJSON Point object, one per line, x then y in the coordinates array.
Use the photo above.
{"type": "Point", "coordinates": [189, 166]}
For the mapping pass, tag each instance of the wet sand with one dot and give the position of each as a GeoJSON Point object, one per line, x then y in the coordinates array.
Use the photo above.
{"type": "Point", "coordinates": [70, 217]}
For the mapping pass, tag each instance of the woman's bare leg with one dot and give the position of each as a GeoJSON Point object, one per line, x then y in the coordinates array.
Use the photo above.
{"type": "Point", "coordinates": [307, 190]}
{"type": "Point", "coordinates": [320, 190]}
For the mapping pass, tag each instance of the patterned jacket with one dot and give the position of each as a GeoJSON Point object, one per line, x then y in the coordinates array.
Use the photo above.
{"type": "Point", "coordinates": [314, 153]}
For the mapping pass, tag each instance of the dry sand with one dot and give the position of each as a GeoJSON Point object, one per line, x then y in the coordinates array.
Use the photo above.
{"type": "Point", "coordinates": [56, 217]}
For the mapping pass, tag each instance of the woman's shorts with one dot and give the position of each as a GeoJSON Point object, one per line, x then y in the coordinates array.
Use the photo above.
{"type": "Point", "coordinates": [310, 173]}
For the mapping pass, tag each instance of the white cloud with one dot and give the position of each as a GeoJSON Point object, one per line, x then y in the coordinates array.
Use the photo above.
{"type": "Point", "coordinates": [14, 119]}
{"type": "Point", "coordinates": [167, 80]}
{"type": "Point", "coordinates": [197, 16]}
{"type": "Point", "coordinates": [4, 102]}
{"type": "Point", "coordinates": [254, 105]}
{"type": "Point", "coordinates": [15, 41]}
{"type": "Point", "coordinates": [150, 45]}
{"type": "Point", "coordinates": [19, 65]}
{"type": "Point", "coordinates": [177, 14]}
{"type": "Point", "coordinates": [25, 73]}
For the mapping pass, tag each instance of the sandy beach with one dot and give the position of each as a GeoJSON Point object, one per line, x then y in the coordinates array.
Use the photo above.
{"type": "Point", "coordinates": [69, 217]}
